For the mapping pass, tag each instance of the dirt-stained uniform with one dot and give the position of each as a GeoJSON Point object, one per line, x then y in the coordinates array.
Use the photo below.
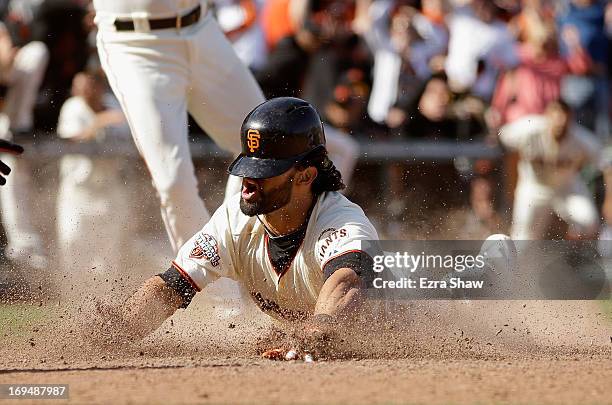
{"type": "Point", "coordinates": [284, 274]}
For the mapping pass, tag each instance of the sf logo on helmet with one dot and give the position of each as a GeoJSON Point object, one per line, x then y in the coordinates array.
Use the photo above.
{"type": "Point", "coordinates": [253, 140]}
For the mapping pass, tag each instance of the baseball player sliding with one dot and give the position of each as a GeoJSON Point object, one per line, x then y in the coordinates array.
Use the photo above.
{"type": "Point", "coordinates": [164, 58]}
{"type": "Point", "coordinates": [290, 238]}
{"type": "Point", "coordinates": [13, 149]}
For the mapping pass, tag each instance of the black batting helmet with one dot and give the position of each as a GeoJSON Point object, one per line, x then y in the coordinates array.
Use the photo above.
{"type": "Point", "coordinates": [275, 136]}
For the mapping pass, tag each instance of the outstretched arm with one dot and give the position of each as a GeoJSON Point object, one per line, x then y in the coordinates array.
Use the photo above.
{"type": "Point", "coordinates": [149, 307]}
{"type": "Point", "coordinates": [341, 295]}
{"type": "Point", "coordinates": [339, 298]}
{"type": "Point", "coordinates": [155, 301]}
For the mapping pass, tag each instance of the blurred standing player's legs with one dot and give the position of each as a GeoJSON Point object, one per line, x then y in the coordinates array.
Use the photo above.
{"type": "Point", "coordinates": [162, 62]}
{"type": "Point", "coordinates": [160, 74]}
{"type": "Point", "coordinates": [23, 79]}
{"type": "Point", "coordinates": [91, 190]}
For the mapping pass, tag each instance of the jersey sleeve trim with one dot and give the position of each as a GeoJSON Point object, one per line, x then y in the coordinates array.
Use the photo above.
{"type": "Point", "coordinates": [358, 261]}
{"type": "Point", "coordinates": [175, 280]}
{"type": "Point", "coordinates": [186, 276]}
{"type": "Point", "coordinates": [340, 254]}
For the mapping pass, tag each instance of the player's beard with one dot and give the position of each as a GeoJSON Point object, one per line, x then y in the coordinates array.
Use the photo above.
{"type": "Point", "coordinates": [269, 201]}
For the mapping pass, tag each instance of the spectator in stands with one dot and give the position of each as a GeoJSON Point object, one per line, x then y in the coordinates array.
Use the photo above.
{"type": "Point", "coordinates": [285, 72]}
{"type": "Point", "coordinates": [342, 50]}
{"type": "Point", "coordinates": [239, 21]}
{"type": "Point", "coordinates": [346, 109]}
{"type": "Point", "coordinates": [436, 115]}
{"type": "Point", "coordinates": [536, 81]}
{"type": "Point", "coordinates": [61, 26]}
{"type": "Point", "coordinates": [91, 202]}
{"type": "Point", "coordinates": [589, 93]}
{"type": "Point", "coordinates": [480, 47]}
{"type": "Point", "coordinates": [403, 42]}
{"type": "Point", "coordinates": [323, 25]}
{"type": "Point", "coordinates": [278, 19]}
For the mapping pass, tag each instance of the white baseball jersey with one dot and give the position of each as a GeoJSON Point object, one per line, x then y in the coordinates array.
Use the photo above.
{"type": "Point", "coordinates": [543, 161]}
{"type": "Point", "coordinates": [237, 246]}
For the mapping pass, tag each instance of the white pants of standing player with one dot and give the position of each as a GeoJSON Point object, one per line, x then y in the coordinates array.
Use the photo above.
{"type": "Point", "coordinates": [534, 204]}
{"type": "Point", "coordinates": [158, 76]}
{"type": "Point", "coordinates": [24, 242]}
{"type": "Point", "coordinates": [92, 224]}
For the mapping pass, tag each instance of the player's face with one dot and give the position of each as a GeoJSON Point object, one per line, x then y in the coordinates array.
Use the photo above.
{"type": "Point", "coordinates": [262, 196]}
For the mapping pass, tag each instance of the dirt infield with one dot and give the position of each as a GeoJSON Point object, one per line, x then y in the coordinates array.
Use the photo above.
{"type": "Point", "coordinates": [435, 353]}
{"type": "Point", "coordinates": [244, 380]}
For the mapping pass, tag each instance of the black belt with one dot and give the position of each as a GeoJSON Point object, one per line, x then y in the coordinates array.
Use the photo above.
{"type": "Point", "coordinates": [163, 23]}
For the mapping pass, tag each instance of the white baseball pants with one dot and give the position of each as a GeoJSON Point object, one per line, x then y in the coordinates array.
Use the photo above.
{"type": "Point", "coordinates": [158, 76]}
{"type": "Point", "coordinates": [92, 221]}
{"type": "Point", "coordinates": [16, 197]}
{"type": "Point", "coordinates": [534, 203]}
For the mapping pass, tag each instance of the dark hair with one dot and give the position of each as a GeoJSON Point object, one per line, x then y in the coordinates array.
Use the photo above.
{"type": "Point", "coordinates": [328, 177]}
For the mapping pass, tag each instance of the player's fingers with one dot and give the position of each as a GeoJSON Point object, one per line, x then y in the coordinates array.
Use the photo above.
{"type": "Point", "coordinates": [4, 169]}
{"type": "Point", "coordinates": [288, 355]}
{"type": "Point", "coordinates": [10, 147]}
{"type": "Point", "coordinates": [274, 354]}
{"type": "Point", "coordinates": [2, 181]}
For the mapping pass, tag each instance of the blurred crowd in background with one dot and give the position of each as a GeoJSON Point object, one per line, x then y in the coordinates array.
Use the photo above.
{"type": "Point", "coordinates": [410, 68]}
{"type": "Point", "coordinates": [377, 70]}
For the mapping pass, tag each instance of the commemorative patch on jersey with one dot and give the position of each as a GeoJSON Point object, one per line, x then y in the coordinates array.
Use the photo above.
{"type": "Point", "coordinates": [328, 237]}
{"type": "Point", "coordinates": [206, 247]}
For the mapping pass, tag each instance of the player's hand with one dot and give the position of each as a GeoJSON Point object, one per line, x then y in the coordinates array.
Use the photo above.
{"type": "Point", "coordinates": [288, 355]}
{"type": "Point", "coordinates": [7, 147]}
{"type": "Point", "coordinates": [318, 337]}
{"type": "Point", "coordinates": [315, 340]}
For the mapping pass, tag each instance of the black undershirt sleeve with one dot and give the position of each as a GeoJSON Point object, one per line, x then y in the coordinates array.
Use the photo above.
{"type": "Point", "coordinates": [178, 283]}
{"type": "Point", "coordinates": [358, 261]}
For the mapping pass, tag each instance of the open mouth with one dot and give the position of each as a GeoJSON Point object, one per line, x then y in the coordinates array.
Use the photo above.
{"type": "Point", "coordinates": [249, 190]}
